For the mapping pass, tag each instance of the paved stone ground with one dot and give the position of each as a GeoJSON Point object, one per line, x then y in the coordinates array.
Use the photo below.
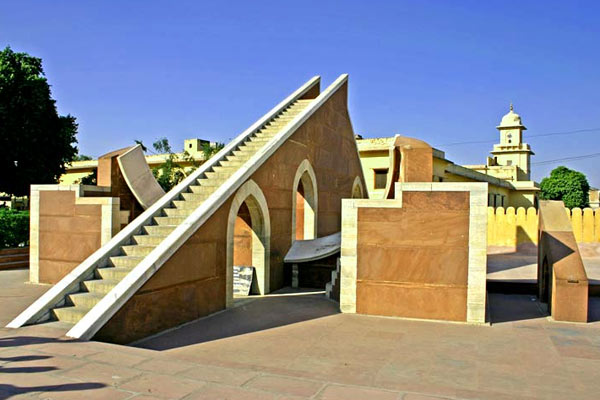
{"type": "Point", "coordinates": [299, 347]}
{"type": "Point", "coordinates": [15, 295]}
{"type": "Point", "coordinates": [522, 267]}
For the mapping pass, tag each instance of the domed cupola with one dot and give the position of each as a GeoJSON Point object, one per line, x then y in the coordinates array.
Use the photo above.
{"type": "Point", "coordinates": [511, 120]}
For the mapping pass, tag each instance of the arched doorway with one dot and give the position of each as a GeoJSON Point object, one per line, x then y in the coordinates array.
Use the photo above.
{"type": "Point", "coordinates": [305, 201]}
{"type": "Point", "coordinates": [357, 189]}
{"type": "Point", "coordinates": [248, 238]}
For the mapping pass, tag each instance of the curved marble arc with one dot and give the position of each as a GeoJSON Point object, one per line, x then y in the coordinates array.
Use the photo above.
{"type": "Point", "coordinates": [139, 178]}
{"type": "Point", "coordinates": [315, 249]}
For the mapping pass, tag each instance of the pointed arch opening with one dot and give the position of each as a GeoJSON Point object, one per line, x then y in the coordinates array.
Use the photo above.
{"type": "Point", "coordinates": [248, 238]}
{"type": "Point", "coordinates": [357, 189]}
{"type": "Point", "coordinates": [305, 200]}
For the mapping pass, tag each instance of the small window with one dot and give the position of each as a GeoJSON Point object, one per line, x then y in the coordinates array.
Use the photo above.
{"type": "Point", "coordinates": [509, 162]}
{"type": "Point", "coordinates": [190, 146]}
{"type": "Point", "coordinates": [380, 178]}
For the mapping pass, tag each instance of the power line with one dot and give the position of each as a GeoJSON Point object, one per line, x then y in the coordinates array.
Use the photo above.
{"type": "Point", "coordinates": [527, 136]}
{"type": "Point", "coordinates": [582, 157]}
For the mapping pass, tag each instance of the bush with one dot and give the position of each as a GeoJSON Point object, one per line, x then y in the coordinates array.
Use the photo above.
{"type": "Point", "coordinates": [14, 228]}
{"type": "Point", "coordinates": [567, 185]}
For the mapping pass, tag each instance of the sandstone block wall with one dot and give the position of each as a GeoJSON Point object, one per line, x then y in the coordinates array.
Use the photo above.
{"type": "Point", "coordinates": [68, 223]}
{"type": "Point", "coordinates": [420, 255]}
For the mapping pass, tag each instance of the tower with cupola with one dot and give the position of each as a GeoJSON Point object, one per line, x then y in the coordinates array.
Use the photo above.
{"type": "Point", "coordinates": [511, 151]}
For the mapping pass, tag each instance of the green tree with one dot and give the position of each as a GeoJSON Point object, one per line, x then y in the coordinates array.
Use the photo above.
{"type": "Point", "coordinates": [14, 228]}
{"type": "Point", "coordinates": [210, 151]}
{"type": "Point", "coordinates": [81, 157]}
{"type": "Point", "coordinates": [170, 173]}
{"type": "Point", "coordinates": [35, 142]}
{"type": "Point", "coordinates": [567, 185]}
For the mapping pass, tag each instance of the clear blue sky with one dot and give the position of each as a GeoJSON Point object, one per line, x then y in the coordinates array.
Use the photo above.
{"type": "Point", "coordinates": [442, 71]}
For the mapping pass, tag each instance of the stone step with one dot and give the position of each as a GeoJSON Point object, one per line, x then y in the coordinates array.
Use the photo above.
{"type": "Point", "coordinates": [251, 146]}
{"type": "Point", "coordinates": [14, 264]}
{"type": "Point", "coordinates": [168, 221]}
{"type": "Point", "coordinates": [290, 113]}
{"type": "Point", "coordinates": [99, 286]}
{"type": "Point", "coordinates": [137, 250]}
{"type": "Point", "coordinates": [177, 212]}
{"type": "Point", "coordinates": [221, 176]}
{"type": "Point", "coordinates": [198, 188]}
{"type": "Point", "coordinates": [70, 314]}
{"type": "Point", "coordinates": [243, 158]}
{"type": "Point", "coordinates": [85, 299]}
{"type": "Point", "coordinates": [271, 131]}
{"type": "Point", "coordinates": [261, 139]}
{"type": "Point", "coordinates": [235, 163]}
{"type": "Point", "coordinates": [113, 273]}
{"type": "Point", "coordinates": [125, 261]}
{"type": "Point", "coordinates": [244, 152]}
{"type": "Point", "coordinates": [14, 257]}
{"type": "Point", "coordinates": [187, 204]}
{"type": "Point", "coordinates": [159, 230]}
{"type": "Point", "coordinates": [57, 326]}
{"type": "Point", "coordinates": [225, 169]}
{"type": "Point", "coordinates": [282, 120]}
{"type": "Point", "coordinates": [212, 183]}
{"type": "Point", "coordinates": [153, 240]}
{"type": "Point", "coordinates": [267, 136]}
{"type": "Point", "coordinates": [279, 121]}
{"type": "Point", "coordinates": [14, 250]}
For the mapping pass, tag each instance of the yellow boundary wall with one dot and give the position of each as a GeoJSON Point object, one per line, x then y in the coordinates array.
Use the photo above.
{"type": "Point", "coordinates": [513, 227]}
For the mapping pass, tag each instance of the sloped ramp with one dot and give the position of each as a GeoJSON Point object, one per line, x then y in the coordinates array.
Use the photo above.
{"type": "Point", "coordinates": [90, 295]}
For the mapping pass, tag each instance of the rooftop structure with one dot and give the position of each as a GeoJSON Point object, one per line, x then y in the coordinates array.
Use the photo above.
{"type": "Point", "coordinates": [507, 173]}
{"type": "Point", "coordinates": [191, 148]}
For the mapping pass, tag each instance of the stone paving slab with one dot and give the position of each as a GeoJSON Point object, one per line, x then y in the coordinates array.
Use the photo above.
{"type": "Point", "coordinates": [522, 267]}
{"type": "Point", "coordinates": [15, 294]}
{"type": "Point", "coordinates": [300, 347]}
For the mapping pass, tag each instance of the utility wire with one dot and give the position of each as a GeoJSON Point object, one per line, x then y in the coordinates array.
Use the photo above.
{"type": "Point", "coordinates": [526, 136]}
{"type": "Point", "coordinates": [582, 157]}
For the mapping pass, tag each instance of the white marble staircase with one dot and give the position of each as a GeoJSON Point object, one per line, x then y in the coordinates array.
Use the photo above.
{"type": "Point", "coordinates": [106, 277]}
{"type": "Point", "coordinates": [92, 293]}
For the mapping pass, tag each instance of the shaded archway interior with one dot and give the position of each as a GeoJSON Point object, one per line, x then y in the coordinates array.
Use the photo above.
{"type": "Point", "coordinates": [305, 212]}
{"type": "Point", "coordinates": [300, 209]}
{"type": "Point", "coordinates": [248, 249]}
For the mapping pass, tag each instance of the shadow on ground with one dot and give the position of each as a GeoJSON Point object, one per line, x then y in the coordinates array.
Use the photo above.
{"type": "Point", "coordinates": [263, 313]}
{"type": "Point", "coordinates": [513, 307]}
{"type": "Point", "coordinates": [14, 365]}
{"type": "Point", "coordinates": [509, 261]}
{"type": "Point", "coordinates": [519, 307]}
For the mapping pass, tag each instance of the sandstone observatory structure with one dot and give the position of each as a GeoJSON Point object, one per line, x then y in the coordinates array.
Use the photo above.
{"type": "Point", "coordinates": [174, 262]}
{"type": "Point", "coordinates": [421, 251]}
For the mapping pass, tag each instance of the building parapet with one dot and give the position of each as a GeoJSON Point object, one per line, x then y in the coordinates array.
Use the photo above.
{"type": "Point", "coordinates": [477, 176]}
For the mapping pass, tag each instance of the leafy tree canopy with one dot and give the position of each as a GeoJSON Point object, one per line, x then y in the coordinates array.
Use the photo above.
{"type": "Point", "coordinates": [567, 185]}
{"type": "Point", "coordinates": [209, 150]}
{"type": "Point", "coordinates": [171, 172]}
{"type": "Point", "coordinates": [35, 142]}
{"type": "Point", "coordinates": [81, 157]}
